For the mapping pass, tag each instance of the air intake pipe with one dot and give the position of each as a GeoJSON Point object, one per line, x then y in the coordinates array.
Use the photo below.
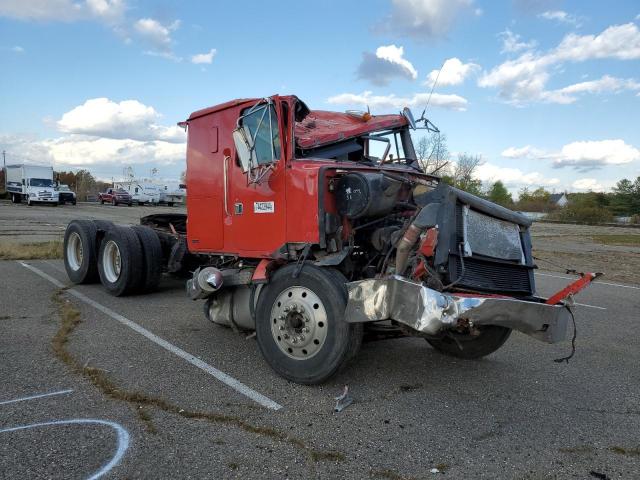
{"type": "Point", "coordinates": [426, 218]}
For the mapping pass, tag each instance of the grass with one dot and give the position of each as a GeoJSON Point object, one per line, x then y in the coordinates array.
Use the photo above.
{"type": "Point", "coordinates": [627, 239]}
{"type": "Point", "coordinates": [31, 251]}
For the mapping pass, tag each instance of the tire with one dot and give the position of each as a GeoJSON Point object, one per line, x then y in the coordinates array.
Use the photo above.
{"type": "Point", "coordinates": [29, 203]}
{"type": "Point", "coordinates": [320, 298]}
{"type": "Point", "coordinates": [74, 202]}
{"type": "Point", "coordinates": [170, 204]}
{"type": "Point", "coordinates": [80, 253]}
{"type": "Point", "coordinates": [114, 202]}
{"type": "Point", "coordinates": [491, 338]}
{"type": "Point", "coordinates": [124, 276]}
{"type": "Point", "coordinates": [101, 201]}
{"type": "Point", "coordinates": [129, 204]}
{"type": "Point", "coordinates": [152, 256]}
{"type": "Point", "coordinates": [15, 198]}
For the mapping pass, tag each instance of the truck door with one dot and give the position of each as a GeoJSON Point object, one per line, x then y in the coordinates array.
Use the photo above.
{"type": "Point", "coordinates": [257, 202]}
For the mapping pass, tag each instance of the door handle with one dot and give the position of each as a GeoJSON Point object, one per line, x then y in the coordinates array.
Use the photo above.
{"type": "Point", "coordinates": [224, 179]}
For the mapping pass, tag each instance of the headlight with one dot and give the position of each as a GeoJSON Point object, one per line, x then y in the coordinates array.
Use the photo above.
{"type": "Point", "coordinates": [32, 194]}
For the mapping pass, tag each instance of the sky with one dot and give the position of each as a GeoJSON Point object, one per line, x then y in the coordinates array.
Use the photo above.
{"type": "Point", "coordinates": [547, 91]}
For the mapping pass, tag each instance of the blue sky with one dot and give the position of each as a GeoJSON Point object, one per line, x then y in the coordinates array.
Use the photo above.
{"type": "Point", "coordinates": [548, 92]}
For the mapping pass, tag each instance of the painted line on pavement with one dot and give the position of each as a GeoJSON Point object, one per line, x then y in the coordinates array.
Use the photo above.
{"type": "Point", "coordinates": [590, 306]}
{"type": "Point", "coordinates": [33, 397]}
{"type": "Point", "coordinates": [195, 361]}
{"type": "Point", "coordinates": [123, 438]}
{"type": "Point", "coordinates": [596, 282]}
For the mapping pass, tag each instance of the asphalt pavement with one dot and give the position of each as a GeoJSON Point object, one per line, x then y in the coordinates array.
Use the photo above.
{"type": "Point", "coordinates": [145, 387]}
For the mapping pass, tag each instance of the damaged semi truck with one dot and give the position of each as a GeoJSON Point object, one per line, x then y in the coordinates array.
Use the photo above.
{"type": "Point", "coordinates": [311, 227]}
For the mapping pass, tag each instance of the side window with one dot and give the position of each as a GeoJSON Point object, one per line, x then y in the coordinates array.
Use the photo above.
{"type": "Point", "coordinates": [261, 122]}
{"type": "Point", "coordinates": [136, 189]}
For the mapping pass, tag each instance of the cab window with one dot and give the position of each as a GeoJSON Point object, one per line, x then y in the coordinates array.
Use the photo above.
{"type": "Point", "coordinates": [262, 124]}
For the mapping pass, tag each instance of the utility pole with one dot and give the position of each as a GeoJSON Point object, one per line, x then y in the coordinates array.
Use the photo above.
{"type": "Point", "coordinates": [4, 159]}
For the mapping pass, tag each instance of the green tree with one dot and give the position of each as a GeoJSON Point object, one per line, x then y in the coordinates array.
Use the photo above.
{"type": "Point", "coordinates": [499, 194]}
{"type": "Point", "coordinates": [625, 199]}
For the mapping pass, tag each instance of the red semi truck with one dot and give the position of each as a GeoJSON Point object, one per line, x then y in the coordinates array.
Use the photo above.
{"type": "Point", "coordinates": [311, 226]}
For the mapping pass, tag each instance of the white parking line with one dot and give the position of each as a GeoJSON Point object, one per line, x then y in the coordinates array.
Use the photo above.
{"type": "Point", "coordinates": [590, 306]}
{"type": "Point", "coordinates": [33, 397]}
{"type": "Point", "coordinates": [223, 377]}
{"type": "Point", "coordinates": [597, 282]}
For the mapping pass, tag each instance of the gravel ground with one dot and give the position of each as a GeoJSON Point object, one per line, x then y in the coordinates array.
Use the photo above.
{"type": "Point", "coordinates": [562, 246]}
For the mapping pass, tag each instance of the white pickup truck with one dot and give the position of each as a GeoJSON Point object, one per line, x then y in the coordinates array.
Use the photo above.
{"type": "Point", "coordinates": [33, 183]}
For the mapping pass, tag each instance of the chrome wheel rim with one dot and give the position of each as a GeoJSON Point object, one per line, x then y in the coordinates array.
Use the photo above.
{"type": "Point", "coordinates": [299, 323]}
{"type": "Point", "coordinates": [111, 261]}
{"type": "Point", "coordinates": [74, 251]}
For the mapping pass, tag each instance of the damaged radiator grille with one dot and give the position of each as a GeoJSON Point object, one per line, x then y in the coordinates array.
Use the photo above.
{"type": "Point", "coordinates": [491, 276]}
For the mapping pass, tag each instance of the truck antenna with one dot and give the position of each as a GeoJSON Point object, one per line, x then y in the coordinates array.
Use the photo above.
{"type": "Point", "coordinates": [435, 82]}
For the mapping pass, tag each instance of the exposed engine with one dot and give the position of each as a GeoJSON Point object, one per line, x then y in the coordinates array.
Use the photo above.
{"type": "Point", "coordinates": [440, 235]}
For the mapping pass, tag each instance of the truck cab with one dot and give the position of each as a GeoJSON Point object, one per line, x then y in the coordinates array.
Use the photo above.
{"type": "Point", "coordinates": [32, 183]}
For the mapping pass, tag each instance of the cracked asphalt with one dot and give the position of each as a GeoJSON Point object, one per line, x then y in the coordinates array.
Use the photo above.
{"type": "Point", "coordinates": [515, 414]}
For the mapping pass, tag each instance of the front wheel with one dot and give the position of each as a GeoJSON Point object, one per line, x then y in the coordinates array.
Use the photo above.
{"type": "Point", "coordinates": [114, 202]}
{"type": "Point", "coordinates": [490, 339]}
{"type": "Point", "coordinates": [300, 324]}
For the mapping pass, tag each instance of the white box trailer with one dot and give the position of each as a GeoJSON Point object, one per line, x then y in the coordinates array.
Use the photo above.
{"type": "Point", "coordinates": [141, 192]}
{"type": "Point", "coordinates": [172, 193]}
{"type": "Point", "coordinates": [32, 183]}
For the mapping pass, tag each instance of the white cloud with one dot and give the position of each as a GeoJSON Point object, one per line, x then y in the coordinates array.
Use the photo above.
{"type": "Point", "coordinates": [523, 152]}
{"type": "Point", "coordinates": [588, 185]}
{"type": "Point", "coordinates": [387, 64]}
{"type": "Point", "coordinates": [157, 35]}
{"type": "Point", "coordinates": [524, 79]}
{"type": "Point", "coordinates": [82, 151]}
{"type": "Point", "coordinates": [17, 49]}
{"type": "Point", "coordinates": [588, 155]}
{"type": "Point", "coordinates": [453, 72]}
{"type": "Point", "coordinates": [393, 102]}
{"type": "Point", "coordinates": [582, 155]}
{"type": "Point", "coordinates": [425, 18]}
{"type": "Point", "coordinates": [204, 57]}
{"type": "Point", "coordinates": [561, 17]}
{"type": "Point", "coordinates": [606, 84]}
{"type": "Point", "coordinates": [512, 42]}
{"type": "Point", "coordinates": [513, 177]}
{"type": "Point", "coordinates": [108, 11]}
{"type": "Point", "coordinates": [128, 119]}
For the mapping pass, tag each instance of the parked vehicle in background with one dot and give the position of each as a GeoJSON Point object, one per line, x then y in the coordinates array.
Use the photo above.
{"type": "Point", "coordinates": [173, 193]}
{"type": "Point", "coordinates": [33, 183]}
{"type": "Point", "coordinates": [114, 196]}
{"type": "Point", "coordinates": [141, 192]}
{"type": "Point", "coordinates": [65, 194]}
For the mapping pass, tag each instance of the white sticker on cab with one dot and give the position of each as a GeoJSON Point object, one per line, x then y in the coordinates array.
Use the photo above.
{"type": "Point", "coordinates": [264, 207]}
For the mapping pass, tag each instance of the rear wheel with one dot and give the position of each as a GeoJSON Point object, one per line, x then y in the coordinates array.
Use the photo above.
{"type": "Point", "coordinates": [152, 256]}
{"type": "Point", "coordinates": [114, 202]}
{"type": "Point", "coordinates": [120, 261]}
{"type": "Point", "coordinates": [80, 254]}
{"type": "Point", "coordinates": [300, 325]}
{"type": "Point", "coordinates": [15, 198]}
{"type": "Point", "coordinates": [490, 339]}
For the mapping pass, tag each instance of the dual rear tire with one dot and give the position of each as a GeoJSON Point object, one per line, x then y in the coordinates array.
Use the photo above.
{"type": "Point", "coordinates": [124, 259]}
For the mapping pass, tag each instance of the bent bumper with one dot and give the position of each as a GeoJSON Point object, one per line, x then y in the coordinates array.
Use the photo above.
{"type": "Point", "coordinates": [429, 311]}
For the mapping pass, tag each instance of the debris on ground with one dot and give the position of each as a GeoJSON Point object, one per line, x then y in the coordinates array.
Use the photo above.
{"type": "Point", "coordinates": [343, 400]}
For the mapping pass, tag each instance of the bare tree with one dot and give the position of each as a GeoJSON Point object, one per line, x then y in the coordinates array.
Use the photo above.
{"type": "Point", "coordinates": [463, 173]}
{"type": "Point", "coordinates": [433, 154]}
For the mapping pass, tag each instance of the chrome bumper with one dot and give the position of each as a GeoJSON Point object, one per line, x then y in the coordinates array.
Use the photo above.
{"type": "Point", "coordinates": [429, 311]}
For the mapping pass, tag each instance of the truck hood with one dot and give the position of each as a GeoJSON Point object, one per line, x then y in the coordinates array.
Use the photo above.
{"type": "Point", "coordinates": [320, 127]}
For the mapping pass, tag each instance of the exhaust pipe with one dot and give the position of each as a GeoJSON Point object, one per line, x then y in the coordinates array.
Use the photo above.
{"type": "Point", "coordinates": [205, 282]}
{"type": "Point", "coordinates": [427, 218]}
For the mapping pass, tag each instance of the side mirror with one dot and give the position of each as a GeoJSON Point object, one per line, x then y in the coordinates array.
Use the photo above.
{"type": "Point", "coordinates": [244, 148]}
{"type": "Point", "coordinates": [406, 112]}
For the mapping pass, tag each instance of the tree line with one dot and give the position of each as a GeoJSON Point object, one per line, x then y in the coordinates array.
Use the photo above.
{"type": "Point", "coordinates": [623, 201]}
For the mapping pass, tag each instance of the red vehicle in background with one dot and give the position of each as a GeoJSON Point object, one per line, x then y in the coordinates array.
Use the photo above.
{"type": "Point", "coordinates": [115, 196]}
